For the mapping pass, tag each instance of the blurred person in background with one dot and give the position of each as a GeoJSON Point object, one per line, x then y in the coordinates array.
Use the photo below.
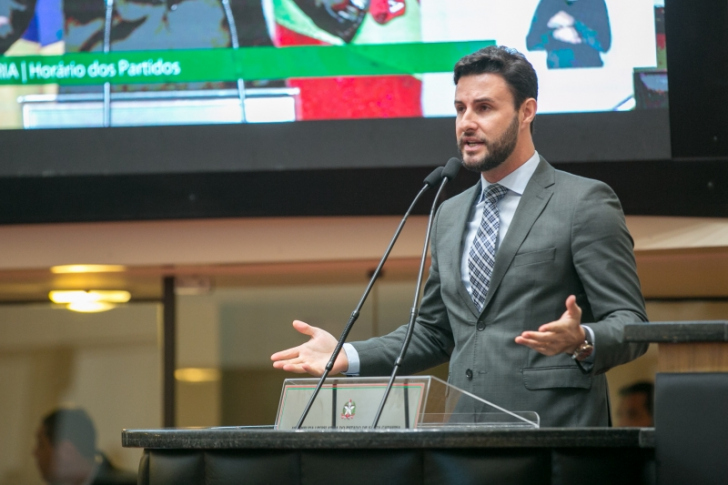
{"type": "Point", "coordinates": [66, 453]}
{"type": "Point", "coordinates": [636, 405]}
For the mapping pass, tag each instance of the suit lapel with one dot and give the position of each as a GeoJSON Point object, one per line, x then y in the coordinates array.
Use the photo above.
{"type": "Point", "coordinates": [535, 197]}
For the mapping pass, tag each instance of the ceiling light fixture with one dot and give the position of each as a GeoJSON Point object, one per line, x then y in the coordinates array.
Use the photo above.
{"type": "Point", "coordinates": [89, 301]}
{"type": "Point", "coordinates": [90, 306]}
{"type": "Point", "coordinates": [87, 268]}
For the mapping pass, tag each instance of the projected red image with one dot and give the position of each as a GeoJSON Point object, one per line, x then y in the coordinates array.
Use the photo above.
{"type": "Point", "coordinates": [351, 21]}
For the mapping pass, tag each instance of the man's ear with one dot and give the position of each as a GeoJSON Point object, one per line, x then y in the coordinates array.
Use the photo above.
{"type": "Point", "coordinates": [528, 110]}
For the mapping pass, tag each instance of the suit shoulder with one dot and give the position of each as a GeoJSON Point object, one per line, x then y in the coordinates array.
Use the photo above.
{"type": "Point", "coordinates": [589, 198]}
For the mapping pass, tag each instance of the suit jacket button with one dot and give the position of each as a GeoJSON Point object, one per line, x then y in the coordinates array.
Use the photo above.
{"type": "Point", "coordinates": [481, 325]}
{"type": "Point", "coordinates": [469, 374]}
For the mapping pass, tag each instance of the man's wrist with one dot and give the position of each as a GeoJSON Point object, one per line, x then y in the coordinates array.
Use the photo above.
{"type": "Point", "coordinates": [585, 349]}
{"type": "Point", "coordinates": [581, 337]}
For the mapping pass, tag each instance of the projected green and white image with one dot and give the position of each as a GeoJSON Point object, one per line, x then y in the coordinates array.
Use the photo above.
{"type": "Point", "coordinates": [106, 63]}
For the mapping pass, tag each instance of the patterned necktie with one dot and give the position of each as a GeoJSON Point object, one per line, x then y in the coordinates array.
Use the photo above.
{"type": "Point", "coordinates": [481, 257]}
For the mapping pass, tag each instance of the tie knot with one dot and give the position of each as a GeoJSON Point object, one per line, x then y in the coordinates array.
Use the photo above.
{"type": "Point", "coordinates": [494, 193]}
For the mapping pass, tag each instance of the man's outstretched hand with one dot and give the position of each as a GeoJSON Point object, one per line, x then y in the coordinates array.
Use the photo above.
{"type": "Point", "coordinates": [564, 335]}
{"type": "Point", "coordinates": [311, 356]}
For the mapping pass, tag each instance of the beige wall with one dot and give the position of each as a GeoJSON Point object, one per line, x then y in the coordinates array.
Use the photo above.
{"type": "Point", "coordinates": [276, 240]}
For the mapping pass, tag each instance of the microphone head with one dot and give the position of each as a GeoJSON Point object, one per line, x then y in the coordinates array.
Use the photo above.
{"type": "Point", "coordinates": [435, 177]}
{"type": "Point", "coordinates": [452, 167]}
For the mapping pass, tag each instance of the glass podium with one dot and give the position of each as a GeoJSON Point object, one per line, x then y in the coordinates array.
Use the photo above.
{"type": "Point", "coordinates": [415, 402]}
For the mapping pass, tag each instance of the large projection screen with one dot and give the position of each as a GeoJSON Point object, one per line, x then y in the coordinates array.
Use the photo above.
{"type": "Point", "coordinates": [95, 89]}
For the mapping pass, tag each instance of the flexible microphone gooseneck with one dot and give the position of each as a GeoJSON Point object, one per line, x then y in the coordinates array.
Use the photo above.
{"type": "Point", "coordinates": [449, 172]}
{"type": "Point", "coordinates": [430, 181]}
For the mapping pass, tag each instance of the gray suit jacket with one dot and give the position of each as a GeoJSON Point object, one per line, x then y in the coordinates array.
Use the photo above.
{"type": "Point", "coordinates": [568, 236]}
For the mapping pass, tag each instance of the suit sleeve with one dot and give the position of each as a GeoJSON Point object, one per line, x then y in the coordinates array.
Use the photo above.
{"type": "Point", "coordinates": [432, 340]}
{"type": "Point", "coordinates": [603, 256]}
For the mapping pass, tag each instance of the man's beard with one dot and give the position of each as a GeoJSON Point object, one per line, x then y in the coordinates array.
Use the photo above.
{"type": "Point", "coordinates": [498, 150]}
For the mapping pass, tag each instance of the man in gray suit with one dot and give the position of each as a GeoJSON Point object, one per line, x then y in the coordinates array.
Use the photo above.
{"type": "Point", "coordinates": [533, 276]}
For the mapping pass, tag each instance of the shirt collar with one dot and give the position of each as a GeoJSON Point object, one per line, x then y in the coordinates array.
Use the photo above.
{"type": "Point", "coordinates": [517, 180]}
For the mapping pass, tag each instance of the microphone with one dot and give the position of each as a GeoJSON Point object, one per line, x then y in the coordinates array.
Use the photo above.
{"type": "Point", "coordinates": [452, 167]}
{"type": "Point", "coordinates": [434, 178]}
{"type": "Point", "coordinates": [448, 173]}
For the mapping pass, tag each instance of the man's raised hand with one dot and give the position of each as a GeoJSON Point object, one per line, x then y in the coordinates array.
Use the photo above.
{"type": "Point", "coordinates": [311, 356]}
{"type": "Point", "coordinates": [560, 336]}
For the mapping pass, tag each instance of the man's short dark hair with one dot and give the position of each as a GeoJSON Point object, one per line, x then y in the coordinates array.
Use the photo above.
{"type": "Point", "coordinates": [643, 387]}
{"type": "Point", "coordinates": [74, 425]}
{"type": "Point", "coordinates": [508, 63]}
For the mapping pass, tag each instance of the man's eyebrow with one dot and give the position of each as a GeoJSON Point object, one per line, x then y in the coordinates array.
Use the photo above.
{"type": "Point", "coordinates": [485, 99]}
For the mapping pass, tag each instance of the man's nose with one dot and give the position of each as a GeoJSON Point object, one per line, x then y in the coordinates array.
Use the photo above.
{"type": "Point", "coordinates": [466, 121]}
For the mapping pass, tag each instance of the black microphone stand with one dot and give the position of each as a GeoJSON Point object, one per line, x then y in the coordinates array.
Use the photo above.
{"type": "Point", "coordinates": [453, 165]}
{"type": "Point", "coordinates": [431, 180]}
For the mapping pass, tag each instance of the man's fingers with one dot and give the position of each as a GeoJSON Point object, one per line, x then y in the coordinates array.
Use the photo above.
{"type": "Point", "coordinates": [536, 336]}
{"type": "Point", "coordinates": [573, 312]}
{"type": "Point", "coordinates": [304, 328]}
{"type": "Point", "coordinates": [558, 336]}
{"type": "Point", "coordinates": [522, 340]}
{"type": "Point", "coordinates": [302, 368]}
{"type": "Point", "coordinates": [551, 327]}
{"type": "Point", "coordinates": [280, 363]}
{"type": "Point", "coordinates": [297, 365]}
{"type": "Point", "coordinates": [295, 368]}
{"type": "Point", "coordinates": [291, 353]}
{"type": "Point", "coordinates": [294, 352]}
{"type": "Point", "coordinates": [536, 345]}
{"type": "Point", "coordinates": [311, 356]}
{"type": "Point", "coordinates": [528, 341]}
{"type": "Point", "coordinates": [572, 309]}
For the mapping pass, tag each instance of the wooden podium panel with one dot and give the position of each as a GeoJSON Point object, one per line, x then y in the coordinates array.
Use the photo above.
{"type": "Point", "coordinates": [698, 346]}
{"type": "Point", "coordinates": [692, 357]}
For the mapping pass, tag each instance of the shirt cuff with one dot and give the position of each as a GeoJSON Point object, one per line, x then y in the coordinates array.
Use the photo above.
{"type": "Point", "coordinates": [353, 356]}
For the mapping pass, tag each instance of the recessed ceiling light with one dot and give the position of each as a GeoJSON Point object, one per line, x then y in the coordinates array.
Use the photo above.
{"type": "Point", "coordinates": [81, 296]}
{"type": "Point", "coordinates": [87, 268]}
{"type": "Point", "coordinates": [90, 306]}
